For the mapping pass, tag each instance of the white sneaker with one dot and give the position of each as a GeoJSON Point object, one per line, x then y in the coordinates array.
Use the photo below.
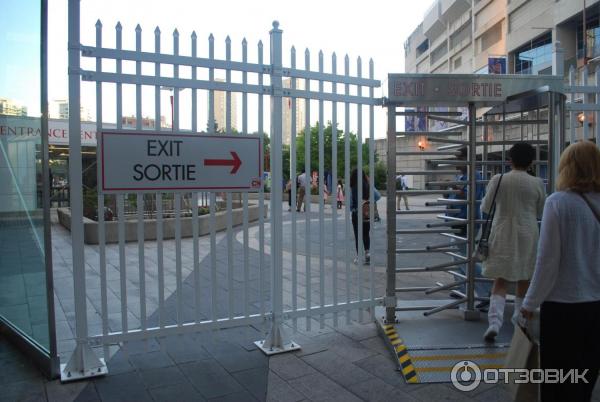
{"type": "Point", "coordinates": [356, 260]}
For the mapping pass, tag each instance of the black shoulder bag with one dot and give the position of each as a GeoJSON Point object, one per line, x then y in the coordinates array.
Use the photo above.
{"type": "Point", "coordinates": [589, 203]}
{"type": "Point", "coordinates": [483, 249]}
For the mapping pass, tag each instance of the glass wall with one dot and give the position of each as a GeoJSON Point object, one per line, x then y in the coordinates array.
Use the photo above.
{"type": "Point", "coordinates": [535, 56]}
{"type": "Point", "coordinates": [592, 28]}
{"type": "Point", "coordinates": [25, 305]}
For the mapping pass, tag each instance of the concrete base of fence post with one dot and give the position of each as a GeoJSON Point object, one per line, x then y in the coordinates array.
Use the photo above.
{"type": "Point", "coordinates": [83, 364]}
{"type": "Point", "coordinates": [277, 341]}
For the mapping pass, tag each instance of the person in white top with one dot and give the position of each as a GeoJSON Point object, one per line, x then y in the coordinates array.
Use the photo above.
{"type": "Point", "coordinates": [301, 191]}
{"type": "Point", "coordinates": [513, 239]}
{"type": "Point", "coordinates": [401, 184]}
{"type": "Point", "coordinates": [566, 281]}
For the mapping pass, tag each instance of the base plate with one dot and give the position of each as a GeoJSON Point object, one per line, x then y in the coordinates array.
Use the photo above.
{"type": "Point", "coordinates": [76, 376]}
{"type": "Point", "coordinates": [288, 347]}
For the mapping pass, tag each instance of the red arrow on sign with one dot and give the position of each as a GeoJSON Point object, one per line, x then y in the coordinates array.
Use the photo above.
{"type": "Point", "coordinates": [236, 162]}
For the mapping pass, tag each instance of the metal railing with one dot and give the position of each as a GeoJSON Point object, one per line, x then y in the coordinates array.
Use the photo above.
{"type": "Point", "coordinates": [238, 294]}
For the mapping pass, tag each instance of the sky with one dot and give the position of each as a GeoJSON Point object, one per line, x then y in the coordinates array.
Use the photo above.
{"type": "Point", "coordinates": [370, 30]}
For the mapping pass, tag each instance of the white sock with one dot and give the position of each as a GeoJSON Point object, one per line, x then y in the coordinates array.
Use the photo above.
{"type": "Point", "coordinates": [518, 304]}
{"type": "Point", "coordinates": [496, 310]}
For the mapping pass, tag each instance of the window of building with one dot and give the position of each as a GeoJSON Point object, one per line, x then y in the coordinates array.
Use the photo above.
{"type": "Point", "coordinates": [423, 47]}
{"type": "Point", "coordinates": [460, 35]}
{"type": "Point", "coordinates": [439, 52]}
{"type": "Point", "coordinates": [535, 56]}
{"type": "Point", "coordinates": [491, 36]}
{"type": "Point", "coordinates": [457, 62]}
{"type": "Point", "coordinates": [593, 37]}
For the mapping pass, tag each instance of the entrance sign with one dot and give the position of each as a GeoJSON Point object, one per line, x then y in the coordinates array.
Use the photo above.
{"type": "Point", "coordinates": [459, 89]}
{"type": "Point", "coordinates": [144, 161]}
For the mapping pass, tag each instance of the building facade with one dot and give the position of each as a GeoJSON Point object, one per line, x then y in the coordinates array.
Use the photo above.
{"type": "Point", "coordinates": [10, 108]}
{"type": "Point", "coordinates": [497, 37]}
{"type": "Point", "coordinates": [287, 112]}
{"type": "Point", "coordinates": [59, 109]}
{"type": "Point", "coordinates": [221, 110]}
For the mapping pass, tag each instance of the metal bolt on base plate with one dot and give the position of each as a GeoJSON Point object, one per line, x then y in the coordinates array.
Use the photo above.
{"type": "Point", "coordinates": [288, 347]}
{"type": "Point", "coordinates": [75, 376]}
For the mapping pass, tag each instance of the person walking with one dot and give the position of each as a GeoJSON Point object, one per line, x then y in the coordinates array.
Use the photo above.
{"type": "Point", "coordinates": [402, 185]}
{"type": "Point", "coordinates": [519, 203]}
{"type": "Point", "coordinates": [566, 280]}
{"type": "Point", "coordinates": [288, 190]}
{"type": "Point", "coordinates": [301, 191]}
{"type": "Point", "coordinates": [356, 208]}
{"type": "Point", "coordinates": [340, 196]}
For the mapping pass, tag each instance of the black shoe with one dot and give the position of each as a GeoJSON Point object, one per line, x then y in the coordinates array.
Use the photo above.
{"type": "Point", "coordinates": [483, 306]}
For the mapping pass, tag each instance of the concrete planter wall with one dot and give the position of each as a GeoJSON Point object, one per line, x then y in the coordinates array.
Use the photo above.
{"type": "Point", "coordinates": [314, 198]}
{"type": "Point", "coordinates": [90, 227]}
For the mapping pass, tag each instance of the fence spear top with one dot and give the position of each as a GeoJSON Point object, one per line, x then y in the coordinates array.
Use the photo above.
{"type": "Point", "coordinates": [98, 24]}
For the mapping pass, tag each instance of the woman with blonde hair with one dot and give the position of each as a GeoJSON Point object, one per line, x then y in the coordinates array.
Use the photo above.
{"type": "Point", "coordinates": [566, 281]}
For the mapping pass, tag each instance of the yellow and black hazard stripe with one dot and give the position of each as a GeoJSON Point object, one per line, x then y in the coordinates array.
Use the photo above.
{"type": "Point", "coordinates": [404, 361]}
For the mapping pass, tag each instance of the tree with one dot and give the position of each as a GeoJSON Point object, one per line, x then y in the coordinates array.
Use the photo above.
{"type": "Point", "coordinates": [380, 175]}
{"type": "Point", "coordinates": [327, 145]}
{"type": "Point", "coordinates": [380, 168]}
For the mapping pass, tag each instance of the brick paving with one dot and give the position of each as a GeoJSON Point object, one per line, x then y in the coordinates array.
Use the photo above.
{"type": "Point", "coordinates": [346, 362]}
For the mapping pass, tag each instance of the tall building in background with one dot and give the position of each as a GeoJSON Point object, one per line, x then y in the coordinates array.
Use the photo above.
{"type": "Point", "coordinates": [59, 109]}
{"type": "Point", "coordinates": [458, 36]}
{"type": "Point", "coordinates": [10, 108]}
{"type": "Point", "coordinates": [496, 37]}
{"type": "Point", "coordinates": [287, 112]}
{"type": "Point", "coordinates": [148, 123]}
{"type": "Point", "coordinates": [474, 36]}
{"type": "Point", "coordinates": [221, 109]}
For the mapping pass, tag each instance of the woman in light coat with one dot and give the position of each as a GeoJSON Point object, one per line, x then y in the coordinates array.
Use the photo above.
{"type": "Point", "coordinates": [514, 233]}
{"type": "Point", "coordinates": [566, 281]}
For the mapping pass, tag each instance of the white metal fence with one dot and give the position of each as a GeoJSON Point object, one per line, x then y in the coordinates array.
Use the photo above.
{"type": "Point", "coordinates": [229, 282]}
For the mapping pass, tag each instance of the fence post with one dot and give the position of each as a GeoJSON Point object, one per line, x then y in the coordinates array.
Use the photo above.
{"type": "Point", "coordinates": [83, 362]}
{"type": "Point", "coordinates": [276, 341]}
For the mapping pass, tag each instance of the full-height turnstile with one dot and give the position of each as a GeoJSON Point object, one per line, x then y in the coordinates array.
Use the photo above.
{"type": "Point", "coordinates": [485, 116]}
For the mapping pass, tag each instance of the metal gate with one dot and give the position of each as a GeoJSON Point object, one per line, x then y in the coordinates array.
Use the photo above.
{"type": "Point", "coordinates": [484, 115]}
{"type": "Point", "coordinates": [215, 281]}
{"type": "Point", "coordinates": [513, 105]}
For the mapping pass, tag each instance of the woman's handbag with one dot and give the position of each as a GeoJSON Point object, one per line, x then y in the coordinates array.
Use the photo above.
{"type": "Point", "coordinates": [522, 354]}
{"type": "Point", "coordinates": [482, 249]}
{"type": "Point", "coordinates": [366, 210]}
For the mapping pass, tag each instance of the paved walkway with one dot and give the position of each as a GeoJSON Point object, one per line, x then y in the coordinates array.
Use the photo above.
{"type": "Point", "coordinates": [346, 362]}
